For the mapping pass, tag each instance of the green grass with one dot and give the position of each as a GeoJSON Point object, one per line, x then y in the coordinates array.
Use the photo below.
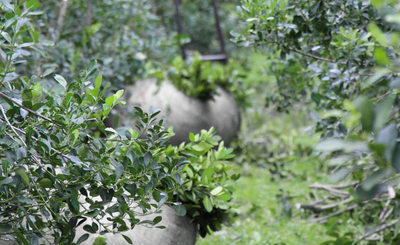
{"type": "Point", "coordinates": [266, 195]}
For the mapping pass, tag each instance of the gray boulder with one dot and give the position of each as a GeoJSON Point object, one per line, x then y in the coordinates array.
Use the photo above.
{"type": "Point", "coordinates": [184, 113]}
{"type": "Point", "coordinates": [179, 231]}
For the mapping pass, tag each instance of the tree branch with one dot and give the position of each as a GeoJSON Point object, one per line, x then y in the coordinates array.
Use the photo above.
{"type": "Point", "coordinates": [60, 19]}
{"type": "Point", "coordinates": [11, 126]}
{"type": "Point", "coordinates": [27, 109]}
{"type": "Point", "coordinates": [339, 212]}
{"type": "Point", "coordinates": [379, 228]}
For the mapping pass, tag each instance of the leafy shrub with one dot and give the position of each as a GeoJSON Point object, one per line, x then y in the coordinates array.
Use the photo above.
{"type": "Point", "coordinates": [61, 166]}
{"type": "Point", "coordinates": [207, 181]}
{"type": "Point", "coordinates": [349, 49]}
{"type": "Point", "coordinates": [199, 79]}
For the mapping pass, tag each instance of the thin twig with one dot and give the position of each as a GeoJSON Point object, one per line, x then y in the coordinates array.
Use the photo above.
{"type": "Point", "coordinates": [385, 208]}
{"type": "Point", "coordinates": [303, 53]}
{"type": "Point", "coordinates": [319, 208]}
{"type": "Point", "coordinates": [36, 139]}
{"type": "Point", "coordinates": [330, 189]}
{"type": "Point", "coordinates": [379, 228]}
{"type": "Point", "coordinates": [325, 218]}
{"type": "Point", "coordinates": [11, 126]}
{"type": "Point", "coordinates": [27, 109]}
{"type": "Point", "coordinates": [339, 186]}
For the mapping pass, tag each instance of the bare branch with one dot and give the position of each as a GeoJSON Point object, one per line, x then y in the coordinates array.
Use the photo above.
{"type": "Point", "coordinates": [60, 19]}
{"type": "Point", "coordinates": [331, 189]}
{"type": "Point", "coordinates": [379, 228]}
{"type": "Point", "coordinates": [339, 212]}
{"type": "Point", "coordinates": [319, 208]}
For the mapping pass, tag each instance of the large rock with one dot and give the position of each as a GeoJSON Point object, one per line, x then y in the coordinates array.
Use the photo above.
{"type": "Point", "coordinates": [184, 113]}
{"type": "Point", "coordinates": [179, 231]}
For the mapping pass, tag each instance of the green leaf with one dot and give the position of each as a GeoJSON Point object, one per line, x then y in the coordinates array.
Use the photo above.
{"type": "Point", "coordinates": [127, 239]}
{"type": "Point", "coordinates": [362, 194]}
{"type": "Point", "coordinates": [365, 107]}
{"type": "Point", "coordinates": [89, 229]}
{"type": "Point", "coordinates": [340, 174]}
{"type": "Point", "coordinates": [24, 177]}
{"type": "Point", "coordinates": [206, 176]}
{"type": "Point", "coordinates": [83, 238]}
{"type": "Point", "coordinates": [73, 205]}
{"type": "Point", "coordinates": [180, 209]}
{"type": "Point", "coordinates": [32, 4]}
{"type": "Point", "coordinates": [381, 57]}
{"type": "Point", "coordinates": [388, 136]}
{"type": "Point", "coordinates": [207, 204]}
{"type": "Point", "coordinates": [20, 237]}
{"type": "Point", "coordinates": [383, 111]}
{"type": "Point", "coordinates": [393, 18]}
{"type": "Point", "coordinates": [377, 3]}
{"type": "Point", "coordinates": [157, 220]}
{"type": "Point", "coordinates": [191, 137]}
{"type": "Point", "coordinates": [61, 80]}
{"type": "Point", "coordinates": [375, 178]}
{"type": "Point", "coordinates": [217, 191]}
{"type": "Point", "coordinates": [100, 241]}
{"type": "Point", "coordinates": [377, 34]}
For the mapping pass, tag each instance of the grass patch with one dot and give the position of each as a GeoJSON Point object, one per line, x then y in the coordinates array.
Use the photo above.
{"type": "Point", "coordinates": [277, 165]}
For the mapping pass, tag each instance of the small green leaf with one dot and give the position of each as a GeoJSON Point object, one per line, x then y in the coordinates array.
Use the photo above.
{"type": "Point", "coordinates": [207, 204]}
{"type": "Point", "coordinates": [73, 205]}
{"type": "Point", "coordinates": [157, 220]}
{"type": "Point", "coordinates": [24, 177]}
{"type": "Point", "coordinates": [365, 107]}
{"type": "Point", "coordinates": [100, 241]}
{"type": "Point", "coordinates": [180, 209]}
{"type": "Point", "coordinates": [20, 237]}
{"type": "Point", "coordinates": [374, 179]}
{"type": "Point", "coordinates": [381, 56]}
{"type": "Point", "coordinates": [383, 111]}
{"type": "Point", "coordinates": [61, 80]}
{"type": "Point", "coordinates": [83, 238]}
{"type": "Point", "coordinates": [191, 137]}
{"type": "Point", "coordinates": [127, 239]}
{"type": "Point", "coordinates": [388, 136]}
{"type": "Point", "coordinates": [89, 229]}
{"type": "Point", "coordinates": [377, 34]}
{"type": "Point", "coordinates": [217, 191]}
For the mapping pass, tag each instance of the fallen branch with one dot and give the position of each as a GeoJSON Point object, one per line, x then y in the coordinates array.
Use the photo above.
{"type": "Point", "coordinates": [379, 228]}
{"type": "Point", "coordinates": [332, 189]}
{"type": "Point", "coordinates": [339, 212]}
{"type": "Point", "coordinates": [319, 208]}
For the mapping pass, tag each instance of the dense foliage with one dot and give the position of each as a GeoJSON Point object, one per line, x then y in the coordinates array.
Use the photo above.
{"type": "Point", "coordinates": [62, 167]}
{"type": "Point", "coordinates": [200, 79]}
{"type": "Point", "coordinates": [342, 56]}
